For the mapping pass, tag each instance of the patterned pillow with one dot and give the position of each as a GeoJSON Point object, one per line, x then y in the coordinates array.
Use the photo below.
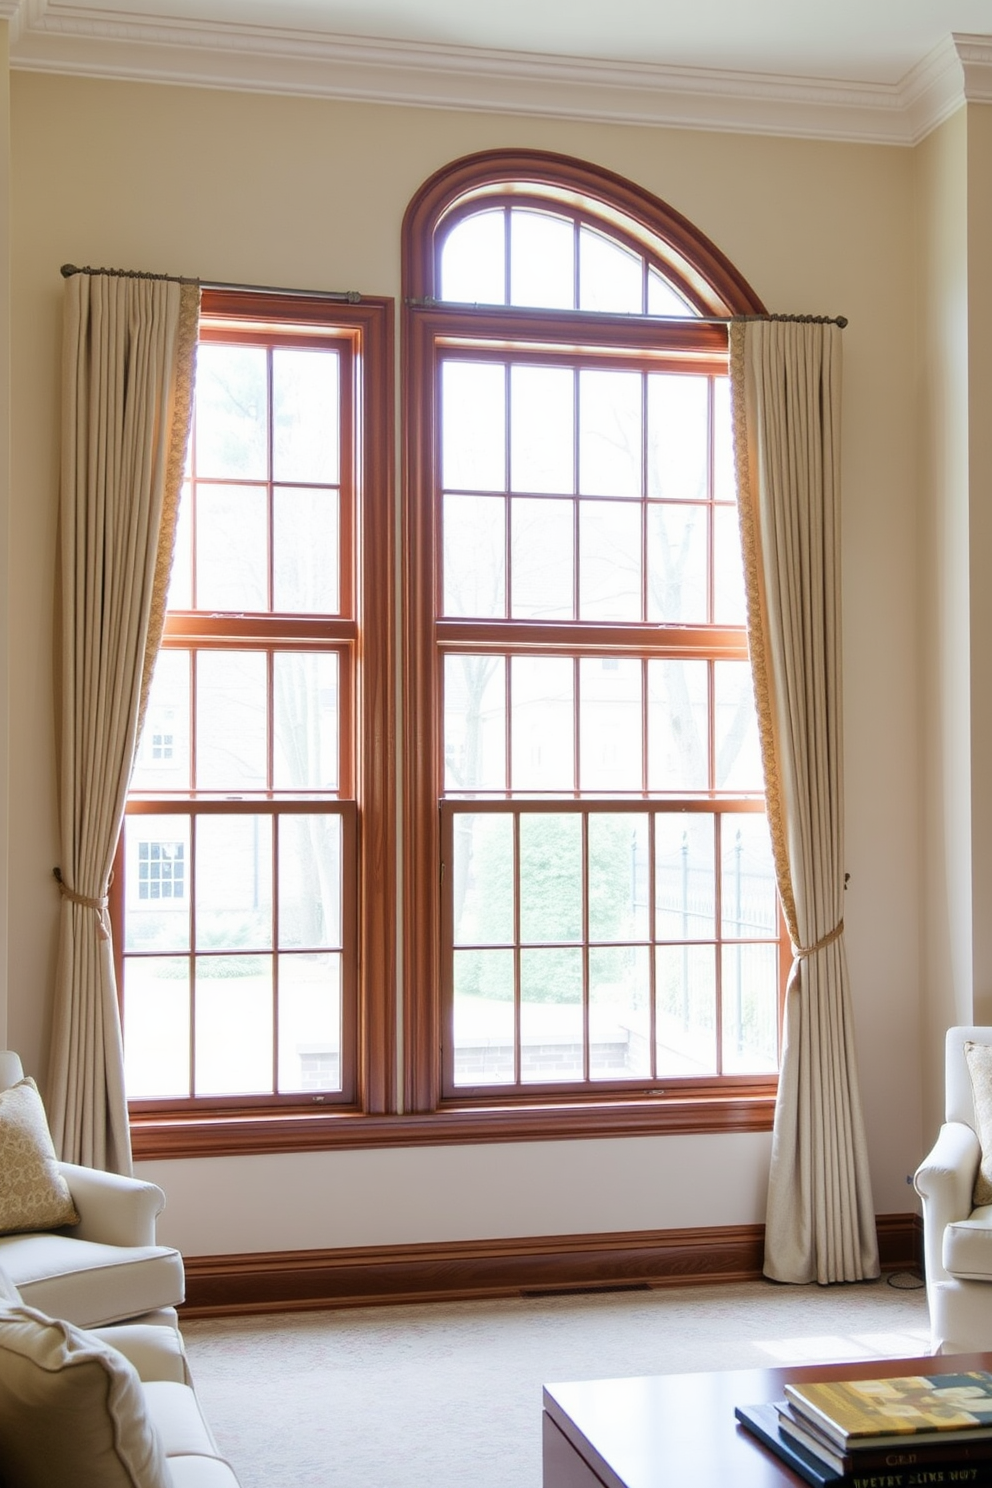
{"type": "Point", "coordinates": [33, 1193]}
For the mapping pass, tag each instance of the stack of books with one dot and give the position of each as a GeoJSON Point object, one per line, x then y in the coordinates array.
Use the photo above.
{"type": "Point", "coordinates": [902, 1432]}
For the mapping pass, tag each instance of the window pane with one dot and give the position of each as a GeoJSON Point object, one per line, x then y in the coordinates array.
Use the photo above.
{"type": "Point", "coordinates": [678, 436]}
{"type": "Point", "coordinates": [305, 558]}
{"type": "Point", "coordinates": [163, 750]}
{"type": "Point", "coordinates": [156, 883]}
{"type": "Point", "coordinates": [483, 1017]}
{"type": "Point", "coordinates": [685, 881]}
{"type": "Point", "coordinates": [738, 755]}
{"type": "Point", "coordinates": [610, 721]}
{"type": "Point", "coordinates": [482, 878]}
{"type": "Point", "coordinates": [749, 896]}
{"type": "Point", "coordinates": [156, 1027]}
{"type": "Point", "coordinates": [542, 433]}
{"type": "Point", "coordinates": [677, 564]}
{"type": "Point", "coordinates": [543, 571]}
{"type": "Point", "coordinates": [728, 568]}
{"type": "Point", "coordinates": [750, 1009]}
{"type": "Point", "coordinates": [610, 433]}
{"type": "Point", "coordinates": [231, 720]}
{"type": "Point", "coordinates": [542, 723]}
{"type": "Point", "coordinates": [309, 1023]}
{"type": "Point", "coordinates": [619, 1013]}
{"type": "Point", "coordinates": [550, 877]}
{"type": "Point", "coordinates": [618, 876]}
{"type": "Point", "coordinates": [305, 720]}
{"type": "Point", "coordinates": [180, 595]}
{"type": "Point", "coordinates": [663, 299]}
{"type": "Point", "coordinates": [306, 415]}
{"type": "Point", "coordinates": [232, 548]}
{"type": "Point", "coordinates": [475, 556]}
{"type": "Point", "coordinates": [473, 426]}
{"type": "Point", "coordinates": [609, 560]}
{"type": "Point", "coordinates": [542, 260]}
{"type": "Point", "coordinates": [233, 1025]}
{"type": "Point", "coordinates": [472, 260]}
{"type": "Point", "coordinates": [231, 412]}
{"type": "Point", "coordinates": [233, 882]}
{"type": "Point", "coordinates": [678, 750]}
{"type": "Point", "coordinates": [310, 873]}
{"type": "Point", "coordinates": [550, 1015]}
{"type": "Point", "coordinates": [611, 278]}
{"type": "Point", "coordinates": [474, 723]}
{"type": "Point", "coordinates": [724, 478]}
{"type": "Point", "coordinates": [686, 1010]}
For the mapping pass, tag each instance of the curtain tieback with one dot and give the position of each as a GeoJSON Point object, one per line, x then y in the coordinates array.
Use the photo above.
{"type": "Point", "coordinates": [835, 934]}
{"type": "Point", "coordinates": [99, 906]}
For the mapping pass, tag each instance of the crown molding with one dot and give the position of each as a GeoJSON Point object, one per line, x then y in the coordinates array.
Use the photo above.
{"type": "Point", "coordinates": [76, 39]}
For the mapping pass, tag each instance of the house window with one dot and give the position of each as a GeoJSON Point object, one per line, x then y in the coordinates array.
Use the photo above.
{"type": "Point", "coordinates": [161, 870]}
{"type": "Point", "coordinates": [591, 907]}
{"type": "Point", "coordinates": [253, 923]}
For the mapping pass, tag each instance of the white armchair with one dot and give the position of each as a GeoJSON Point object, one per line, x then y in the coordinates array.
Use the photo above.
{"type": "Point", "coordinates": [106, 1269]}
{"type": "Point", "coordinates": [957, 1237]}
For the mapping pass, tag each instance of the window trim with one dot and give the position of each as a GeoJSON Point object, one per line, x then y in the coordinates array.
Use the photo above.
{"type": "Point", "coordinates": [428, 326]}
{"type": "Point", "coordinates": [168, 1129]}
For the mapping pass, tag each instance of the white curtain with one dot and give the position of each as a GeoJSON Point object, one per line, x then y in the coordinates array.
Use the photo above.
{"type": "Point", "coordinates": [785, 381]}
{"type": "Point", "coordinates": [129, 343]}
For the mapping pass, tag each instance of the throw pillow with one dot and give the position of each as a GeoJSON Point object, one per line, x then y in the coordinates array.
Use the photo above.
{"type": "Point", "coordinates": [979, 1057]}
{"type": "Point", "coordinates": [72, 1410]}
{"type": "Point", "coordinates": [33, 1193]}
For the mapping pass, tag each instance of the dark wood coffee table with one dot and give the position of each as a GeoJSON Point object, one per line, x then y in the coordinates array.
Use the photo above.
{"type": "Point", "coordinates": [679, 1431]}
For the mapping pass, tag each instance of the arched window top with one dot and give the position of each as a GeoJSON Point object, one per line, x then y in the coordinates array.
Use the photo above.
{"type": "Point", "coordinates": [540, 231]}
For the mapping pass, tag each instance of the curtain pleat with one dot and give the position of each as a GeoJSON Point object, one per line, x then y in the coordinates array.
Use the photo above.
{"type": "Point", "coordinates": [785, 380]}
{"type": "Point", "coordinates": [129, 344]}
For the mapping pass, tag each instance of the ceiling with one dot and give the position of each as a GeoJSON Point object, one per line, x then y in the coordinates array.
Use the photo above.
{"type": "Point", "coordinates": [872, 69]}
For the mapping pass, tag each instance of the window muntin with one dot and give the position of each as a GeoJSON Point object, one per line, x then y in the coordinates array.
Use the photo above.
{"type": "Point", "coordinates": [244, 991]}
{"type": "Point", "coordinates": [584, 656]}
{"type": "Point", "coordinates": [542, 259]}
{"type": "Point", "coordinates": [610, 945]}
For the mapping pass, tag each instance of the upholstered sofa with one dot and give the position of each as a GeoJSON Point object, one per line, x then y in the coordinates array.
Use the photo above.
{"type": "Point", "coordinates": [957, 1221]}
{"type": "Point", "coordinates": [107, 1267]}
{"type": "Point", "coordinates": [99, 1408]}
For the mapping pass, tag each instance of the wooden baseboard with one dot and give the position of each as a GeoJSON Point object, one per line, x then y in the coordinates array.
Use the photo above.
{"type": "Point", "coordinates": [360, 1276]}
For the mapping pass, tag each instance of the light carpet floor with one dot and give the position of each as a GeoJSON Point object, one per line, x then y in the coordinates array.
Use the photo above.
{"type": "Point", "coordinates": [448, 1395]}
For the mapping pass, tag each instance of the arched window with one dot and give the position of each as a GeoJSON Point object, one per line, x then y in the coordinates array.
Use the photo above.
{"type": "Point", "coordinates": [591, 907]}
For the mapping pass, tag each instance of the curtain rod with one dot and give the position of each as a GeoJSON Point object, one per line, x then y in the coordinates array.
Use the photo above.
{"type": "Point", "coordinates": [344, 296]}
{"type": "Point", "coordinates": [353, 297]}
{"type": "Point", "coordinates": [428, 302]}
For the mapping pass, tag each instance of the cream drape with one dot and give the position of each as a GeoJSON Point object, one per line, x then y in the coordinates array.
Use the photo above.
{"type": "Point", "coordinates": [128, 347]}
{"type": "Point", "coordinates": [785, 380]}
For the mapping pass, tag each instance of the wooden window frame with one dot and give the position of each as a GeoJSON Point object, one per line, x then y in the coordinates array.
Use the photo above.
{"type": "Point", "coordinates": [729, 1103]}
{"type": "Point", "coordinates": [365, 629]}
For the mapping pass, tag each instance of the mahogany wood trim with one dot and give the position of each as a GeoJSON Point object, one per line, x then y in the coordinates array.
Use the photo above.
{"type": "Point", "coordinates": [358, 1276]}
{"type": "Point", "coordinates": [171, 1135]}
{"type": "Point", "coordinates": [480, 173]}
{"type": "Point", "coordinates": [900, 1242]}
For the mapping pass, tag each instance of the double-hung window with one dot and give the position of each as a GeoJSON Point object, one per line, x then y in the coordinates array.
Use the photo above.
{"type": "Point", "coordinates": [592, 911]}
{"type": "Point", "coordinates": [252, 884]}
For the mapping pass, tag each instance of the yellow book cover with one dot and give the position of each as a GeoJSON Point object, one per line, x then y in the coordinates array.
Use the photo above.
{"type": "Point", "coordinates": [856, 1411]}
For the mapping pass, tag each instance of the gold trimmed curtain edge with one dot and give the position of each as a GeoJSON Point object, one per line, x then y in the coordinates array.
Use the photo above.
{"type": "Point", "coordinates": [757, 627]}
{"type": "Point", "coordinates": [186, 339]}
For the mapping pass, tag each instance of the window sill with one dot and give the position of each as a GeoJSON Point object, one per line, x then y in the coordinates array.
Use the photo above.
{"type": "Point", "coordinates": [228, 1135]}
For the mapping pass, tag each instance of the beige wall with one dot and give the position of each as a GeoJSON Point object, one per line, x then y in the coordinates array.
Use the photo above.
{"type": "Point", "coordinates": [944, 588]}
{"type": "Point", "coordinates": [311, 193]}
{"type": "Point", "coordinates": [954, 237]}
